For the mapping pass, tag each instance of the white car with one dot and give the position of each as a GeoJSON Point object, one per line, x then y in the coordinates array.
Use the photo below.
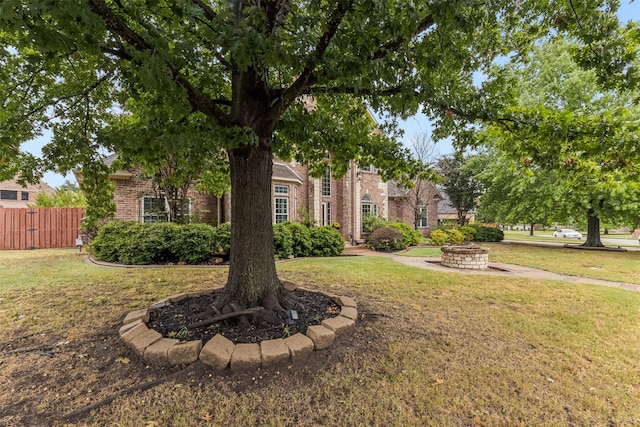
{"type": "Point", "coordinates": [567, 233]}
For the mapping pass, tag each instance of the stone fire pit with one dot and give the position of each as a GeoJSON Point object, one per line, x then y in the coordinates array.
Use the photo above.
{"type": "Point", "coordinates": [468, 257]}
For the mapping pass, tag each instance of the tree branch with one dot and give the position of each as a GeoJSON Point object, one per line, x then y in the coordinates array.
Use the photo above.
{"type": "Point", "coordinates": [394, 45]}
{"type": "Point", "coordinates": [306, 78]}
{"type": "Point", "coordinates": [209, 13]}
{"type": "Point", "coordinates": [198, 100]}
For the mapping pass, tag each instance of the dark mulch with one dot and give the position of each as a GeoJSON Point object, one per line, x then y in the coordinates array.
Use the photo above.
{"type": "Point", "coordinates": [172, 320]}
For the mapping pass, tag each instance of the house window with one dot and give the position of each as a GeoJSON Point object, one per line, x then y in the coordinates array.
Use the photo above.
{"type": "Point", "coordinates": [184, 213]}
{"type": "Point", "coordinates": [281, 189]}
{"type": "Point", "coordinates": [326, 182]}
{"type": "Point", "coordinates": [369, 168]}
{"type": "Point", "coordinates": [326, 213]}
{"type": "Point", "coordinates": [154, 209]}
{"type": "Point", "coordinates": [8, 195]}
{"type": "Point", "coordinates": [282, 209]}
{"type": "Point", "coordinates": [423, 217]}
{"type": "Point", "coordinates": [25, 195]}
{"type": "Point", "coordinates": [367, 208]}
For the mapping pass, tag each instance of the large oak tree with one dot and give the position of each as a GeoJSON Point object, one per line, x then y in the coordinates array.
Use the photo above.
{"type": "Point", "coordinates": [255, 78]}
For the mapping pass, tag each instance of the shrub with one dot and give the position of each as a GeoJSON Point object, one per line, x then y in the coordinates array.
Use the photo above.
{"type": "Point", "coordinates": [372, 222]}
{"type": "Point", "coordinates": [438, 237]}
{"type": "Point", "coordinates": [301, 238]}
{"type": "Point", "coordinates": [409, 235]}
{"type": "Point", "coordinates": [194, 243]}
{"type": "Point", "coordinates": [223, 239]}
{"type": "Point", "coordinates": [111, 240]}
{"type": "Point", "coordinates": [282, 241]}
{"type": "Point", "coordinates": [488, 234]}
{"type": "Point", "coordinates": [469, 232]}
{"type": "Point", "coordinates": [455, 236]}
{"type": "Point", "coordinates": [149, 244]}
{"type": "Point", "coordinates": [386, 239]}
{"type": "Point", "coordinates": [326, 241]}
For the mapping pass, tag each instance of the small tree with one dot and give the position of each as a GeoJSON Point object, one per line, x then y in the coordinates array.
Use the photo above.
{"type": "Point", "coordinates": [460, 184]}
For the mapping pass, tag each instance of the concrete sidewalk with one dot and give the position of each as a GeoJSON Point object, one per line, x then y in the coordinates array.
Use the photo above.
{"type": "Point", "coordinates": [495, 269]}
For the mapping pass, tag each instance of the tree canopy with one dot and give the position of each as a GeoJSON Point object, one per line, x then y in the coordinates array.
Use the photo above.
{"type": "Point", "coordinates": [595, 169]}
{"type": "Point", "coordinates": [257, 78]}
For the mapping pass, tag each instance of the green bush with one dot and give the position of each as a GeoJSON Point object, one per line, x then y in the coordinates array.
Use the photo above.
{"type": "Point", "coordinates": [438, 237]}
{"type": "Point", "coordinates": [386, 239]}
{"type": "Point", "coordinates": [372, 222]}
{"type": "Point", "coordinates": [301, 238]}
{"type": "Point", "coordinates": [128, 242]}
{"type": "Point", "coordinates": [111, 240]}
{"type": "Point", "coordinates": [469, 232]}
{"type": "Point", "coordinates": [488, 234]}
{"type": "Point", "coordinates": [410, 236]}
{"type": "Point", "coordinates": [326, 241]}
{"type": "Point", "coordinates": [150, 244]}
{"type": "Point", "coordinates": [194, 243]}
{"type": "Point", "coordinates": [282, 241]}
{"type": "Point", "coordinates": [223, 239]}
{"type": "Point", "coordinates": [455, 236]}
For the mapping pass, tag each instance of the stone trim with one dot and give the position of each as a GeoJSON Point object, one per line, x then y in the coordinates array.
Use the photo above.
{"type": "Point", "coordinates": [220, 353]}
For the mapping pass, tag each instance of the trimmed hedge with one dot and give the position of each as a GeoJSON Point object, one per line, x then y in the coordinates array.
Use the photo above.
{"type": "Point", "coordinates": [326, 241]}
{"type": "Point", "coordinates": [128, 242]}
{"type": "Point", "coordinates": [473, 232]}
{"type": "Point", "coordinates": [488, 234]}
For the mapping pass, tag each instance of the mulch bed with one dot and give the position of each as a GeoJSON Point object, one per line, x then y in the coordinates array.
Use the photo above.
{"type": "Point", "coordinates": [172, 320]}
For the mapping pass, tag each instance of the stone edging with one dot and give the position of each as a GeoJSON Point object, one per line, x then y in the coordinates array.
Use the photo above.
{"type": "Point", "coordinates": [219, 352]}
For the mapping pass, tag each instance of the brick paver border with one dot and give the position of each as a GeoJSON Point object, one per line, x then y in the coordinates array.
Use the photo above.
{"type": "Point", "coordinates": [220, 353]}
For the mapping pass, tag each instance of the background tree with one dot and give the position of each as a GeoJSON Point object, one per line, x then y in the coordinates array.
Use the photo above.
{"type": "Point", "coordinates": [423, 176]}
{"type": "Point", "coordinates": [62, 198]}
{"type": "Point", "coordinates": [240, 72]}
{"type": "Point", "coordinates": [515, 193]}
{"type": "Point", "coordinates": [460, 183]}
{"type": "Point", "coordinates": [598, 171]}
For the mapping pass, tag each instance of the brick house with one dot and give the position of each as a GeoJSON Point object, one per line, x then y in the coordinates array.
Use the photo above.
{"type": "Point", "coordinates": [14, 195]}
{"type": "Point", "coordinates": [295, 193]}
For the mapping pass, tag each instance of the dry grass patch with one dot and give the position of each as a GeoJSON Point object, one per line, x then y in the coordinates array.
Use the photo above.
{"type": "Point", "coordinates": [430, 349]}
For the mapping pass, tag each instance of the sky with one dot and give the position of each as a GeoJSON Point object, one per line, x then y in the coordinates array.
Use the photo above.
{"type": "Point", "coordinates": [413, 126]}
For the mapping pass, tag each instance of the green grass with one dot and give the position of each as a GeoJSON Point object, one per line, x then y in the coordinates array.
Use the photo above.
{"type": "Point", "coordinates": [547, 236]}
{"type": "Point", "coordinates": [605, 265]}
{"type": "Point", "coordinates": [423, 251]}
{"type": "Point", "coordinates": [430, 348]}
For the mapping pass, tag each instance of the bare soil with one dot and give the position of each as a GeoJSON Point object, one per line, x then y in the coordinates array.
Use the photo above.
{"type": "Point", "coordinates": [174, 320]}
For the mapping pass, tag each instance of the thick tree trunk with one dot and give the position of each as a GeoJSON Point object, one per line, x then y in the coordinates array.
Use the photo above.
{"type": "Point", "coordinates": [531, 228]}
{"type": "Point", "coordinates": [593, 231]}
{"type": "Point", "coordinates": [252, 277]}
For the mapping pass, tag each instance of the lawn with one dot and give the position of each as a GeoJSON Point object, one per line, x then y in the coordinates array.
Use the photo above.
{"type": "Point", "coordinates": [606, 265]}
{"type": "Point", "coordinates": [436, 349]}
{"type": "Point", "coordinates": [547, 236]}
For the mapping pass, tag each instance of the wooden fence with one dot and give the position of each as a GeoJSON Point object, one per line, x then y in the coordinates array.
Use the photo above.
{"type": "Point", "coordinates": [39, 228]}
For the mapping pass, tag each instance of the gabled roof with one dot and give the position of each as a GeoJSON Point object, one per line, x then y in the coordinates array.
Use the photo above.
{"type": "Point", "coordinates": [395, 191]}
{"type": "Point", "coordinates": [444, 205]}
{"type": "Point", "coordinates": [14, 186]}
{"type": "Point", "coordinates": [282, 172]}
